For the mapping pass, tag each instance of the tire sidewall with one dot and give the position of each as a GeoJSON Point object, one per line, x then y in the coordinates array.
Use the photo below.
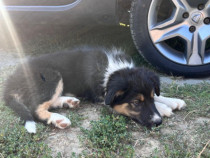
{"type": "Point", "coordinates": [144, 44]}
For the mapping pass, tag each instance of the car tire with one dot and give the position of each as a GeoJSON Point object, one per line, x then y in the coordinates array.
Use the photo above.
{"type": "Point", "coordinates": [139, 15]}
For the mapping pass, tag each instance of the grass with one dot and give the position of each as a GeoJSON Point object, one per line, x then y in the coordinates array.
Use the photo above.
{"type": "Point", "coordinates": [187, 145]}
{"type": "Point", "coordinates": [196, 96]}
{"type": "Point", "coordinates": [76, 118]}
{"type": "Point", "coordinates": [16, 142]}
{"type": "Point", "coordinates": [188, 140]}
{"type": "Point", "coordinates": [109, 137]}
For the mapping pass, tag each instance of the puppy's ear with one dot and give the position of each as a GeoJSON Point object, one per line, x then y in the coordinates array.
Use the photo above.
{"type": "Point", "coordinates": [112, 95]}
{"type": "Point", "coordinates": [156, 82]}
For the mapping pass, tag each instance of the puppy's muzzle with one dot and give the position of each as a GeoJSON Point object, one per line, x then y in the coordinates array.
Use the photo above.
{"type": "Point", "coordinates": [156, 120]}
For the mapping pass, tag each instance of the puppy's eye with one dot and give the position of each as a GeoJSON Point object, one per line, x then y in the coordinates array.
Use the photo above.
{"type": "Point", "coordinates": [136, 102]}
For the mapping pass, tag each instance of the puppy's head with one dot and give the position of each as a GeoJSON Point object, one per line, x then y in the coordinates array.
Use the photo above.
{"type": "Point", "coordinates": [131, 92]}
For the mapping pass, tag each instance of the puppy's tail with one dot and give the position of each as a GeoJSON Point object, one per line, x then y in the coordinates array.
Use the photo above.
{"type": "Point", "coordinates": [22, 111]}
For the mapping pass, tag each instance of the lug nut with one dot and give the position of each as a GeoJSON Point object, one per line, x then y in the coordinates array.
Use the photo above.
{"type": "Point", "coordinates": [206, 20]}
{"type": "Point", "coordinates": [201, 6]}
{"type": "Point", "coordinates": [185, 15]}
{"type": "Point", "coordinates": [192, 28]}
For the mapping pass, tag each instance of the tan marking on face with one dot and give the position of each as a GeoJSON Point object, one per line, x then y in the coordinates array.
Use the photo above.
{"type": "Point", "coordinates": [140, 97]}
{"type": "Point", "coordinates": [119, 93]}
{"type": "Point", "coordinates": [42, 110]}
{"type": "Point", "coordinates": [134, 113]}
{"type": "Point", "coordinates": [123, 109]}
{"type": "Point", "coordinates": [152, 94]}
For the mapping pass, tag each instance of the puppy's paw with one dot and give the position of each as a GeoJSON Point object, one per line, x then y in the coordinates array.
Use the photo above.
{"type": "Point", "coordinates": [30, 126]}
{"type": "Point", "coordinates": [173, 103]}
{"type": "Point", "coordinates": [163, 109]}
{"type": "Point", "coordinates": [70, 102]}
{"type": "Point", "coordinates": [180, 103]}
{"type": "Point", "coordinates": [59, 121]}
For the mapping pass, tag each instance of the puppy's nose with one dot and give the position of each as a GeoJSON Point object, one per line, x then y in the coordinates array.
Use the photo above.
{"type": "Point", "coordinates": [156, 120]}
{"type": "Point", "coordinates": [157, 123]}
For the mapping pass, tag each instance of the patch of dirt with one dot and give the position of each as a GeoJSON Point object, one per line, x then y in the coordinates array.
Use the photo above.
{"type": "Point", "coordinates": [90, 113]}
{"type": "Point", "coordinates": [144, 147]}
{"type": "Point", "coordinates": [67, 141]}
{"type": "Point", "coordinates": [202, 120]}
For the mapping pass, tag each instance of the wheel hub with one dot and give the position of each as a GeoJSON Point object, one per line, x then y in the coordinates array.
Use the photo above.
{"type": "Point", "coordinates": [197, 17]}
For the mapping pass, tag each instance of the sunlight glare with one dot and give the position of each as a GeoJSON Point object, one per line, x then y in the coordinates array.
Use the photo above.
{"type": "Point", "coordinates": [15, 40]}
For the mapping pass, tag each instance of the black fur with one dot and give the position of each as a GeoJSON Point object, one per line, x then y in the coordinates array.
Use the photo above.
{"type": "Point", "coordinates": [82, 72]}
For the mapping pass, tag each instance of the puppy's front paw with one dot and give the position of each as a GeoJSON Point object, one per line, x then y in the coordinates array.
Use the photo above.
{"type": "Point", "coordinates": [70, 102]}
{"type": "Point", "coordinates": [59, 121]}
{"type": "Point", "coordinates": [163, 109]}
{"type": "Point", "coordinates": [180, 103]}
{"type": "Point", "coordinates": [173, 103]}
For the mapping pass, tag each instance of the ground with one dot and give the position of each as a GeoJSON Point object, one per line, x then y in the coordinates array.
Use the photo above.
{"type": "Point", "coordinates": [185, 134]}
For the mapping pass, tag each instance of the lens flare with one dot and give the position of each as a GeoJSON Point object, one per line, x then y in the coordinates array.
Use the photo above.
{"type": "Point", "coordinates": [10, 28]}
{"type": "Point", "coordinates": [12, 33]}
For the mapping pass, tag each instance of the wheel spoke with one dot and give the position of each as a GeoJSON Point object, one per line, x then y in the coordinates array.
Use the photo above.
{"type": "Point", "coordinates": [176, 17]}
{"type": "Point", "coordinates": [193, 49]}
{"type": "Point", "coordinates": [199, 43]}
{"type": "Point", "coordinates": [203, 35]}
{"type": "Point", "coordinates": [180, 30]}
{"type": "Point", "coordinates": [173, 20]}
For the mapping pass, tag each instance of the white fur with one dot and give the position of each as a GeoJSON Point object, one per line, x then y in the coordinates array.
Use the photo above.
{"type": "Point", "coordinates": [57, 117]}
{"type": "Point", "coordinates": [115, 65]}
{"type": "Point", "coordinates": [163, 109]}
{"type": "Point", "coordinates": [30, 126]}
{"type": "Point", "coordinates": [180, 103]}
{"type": "Point", "coordinates": [156, 118]}
{"type": "Point", "coordinates": [167, 101]}
{"type": "Point", "coordinates": [64, 99]}
{"type": "Point", "coordinates": [173, 103]}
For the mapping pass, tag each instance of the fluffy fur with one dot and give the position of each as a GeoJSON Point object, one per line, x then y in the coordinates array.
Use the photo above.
{"type": "Point", "coordinates": [91, 73]}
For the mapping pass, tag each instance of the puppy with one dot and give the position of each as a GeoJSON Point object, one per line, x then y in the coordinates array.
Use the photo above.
{"type": "Point", "coordinates": [40, 84]}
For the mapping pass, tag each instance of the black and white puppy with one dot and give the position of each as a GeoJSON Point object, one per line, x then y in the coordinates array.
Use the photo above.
{"type": "Point", "coordinates": [92, 73]}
